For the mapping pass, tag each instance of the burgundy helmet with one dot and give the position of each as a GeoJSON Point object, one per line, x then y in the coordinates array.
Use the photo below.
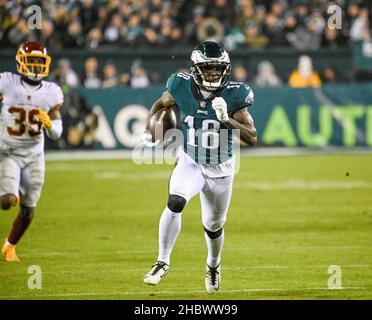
{"type": "Point", "coordinates": [33, 60]}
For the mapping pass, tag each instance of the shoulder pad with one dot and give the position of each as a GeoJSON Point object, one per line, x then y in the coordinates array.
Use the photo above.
{"type": "Point", "coordinates": [177, 79]}
{"type": "Point", "coordinates": [54, 93]}
{"type": "Point", "coordinates": [241, 93]}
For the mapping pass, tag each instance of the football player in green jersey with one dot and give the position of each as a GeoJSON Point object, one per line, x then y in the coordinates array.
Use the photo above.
{"type": "Point", "coordinates": [210, 107]}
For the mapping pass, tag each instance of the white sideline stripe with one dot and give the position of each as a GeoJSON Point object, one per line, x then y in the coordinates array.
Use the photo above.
{"type": "Point", "coordinates": [254, 152]}
{"type": "Point", "coordinates": [179, 292]}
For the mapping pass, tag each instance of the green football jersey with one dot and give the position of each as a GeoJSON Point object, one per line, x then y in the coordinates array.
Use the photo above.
{"type": "Point", "coordinates": [206, 139]}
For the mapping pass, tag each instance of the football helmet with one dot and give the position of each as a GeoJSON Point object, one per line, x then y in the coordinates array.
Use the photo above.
{"type": "Point", "coordinates": [33, 60]}
{"type": "Point", "coordinates": [210, 66]}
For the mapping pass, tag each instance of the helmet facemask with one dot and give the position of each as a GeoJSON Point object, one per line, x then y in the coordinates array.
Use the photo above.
{"type": "Point", "coordinates": [35, 66]}
{"type": "Point", "coordinates": [211, 76]}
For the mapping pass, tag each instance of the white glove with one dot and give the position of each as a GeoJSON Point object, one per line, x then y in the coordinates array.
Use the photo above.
{"type": "Point", "coordinates": [220, 107]}
{"type": "Point", "coordinates": [146, 140]}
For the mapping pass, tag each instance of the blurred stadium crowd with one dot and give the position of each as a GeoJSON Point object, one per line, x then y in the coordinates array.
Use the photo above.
{"type": "Point", "coordinates": [300, 24]}
{"type": "Point", "coordinates": [92, 77]}
{"type": "Point", "coordinates": [93, 24]}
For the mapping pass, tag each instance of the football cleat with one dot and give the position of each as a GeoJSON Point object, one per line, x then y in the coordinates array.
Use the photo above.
{"type": "Point", "coordinates": [213, 279]}
{"type": "Point", "coordinates": [9, 253]}
{"type": "Point", "coordinates": [157, 272]}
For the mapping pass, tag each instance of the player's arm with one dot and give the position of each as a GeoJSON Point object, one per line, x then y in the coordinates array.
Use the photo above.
{"type": "Point", "coordinates": [165, 101]}
{"type": "Point", "coordinates": [241, 120]}
{"type": "Point", "coordinates": [54, 113]}
{"type": "Point", "coordinates": [52, 122]}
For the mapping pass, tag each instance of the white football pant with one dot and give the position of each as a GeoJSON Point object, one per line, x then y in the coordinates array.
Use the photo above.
{"type": "Point", "coordinates": [22, 176]}
{"type": "Point", "coordinates": [187, 180]}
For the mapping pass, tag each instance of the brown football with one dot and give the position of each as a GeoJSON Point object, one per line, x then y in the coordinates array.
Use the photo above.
{"type": "Point", "coordinates": [163, 120]}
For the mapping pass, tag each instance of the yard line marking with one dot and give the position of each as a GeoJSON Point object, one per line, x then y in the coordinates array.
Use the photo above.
{"type": "Point", "coordinates": [304, 185]}
{"type": "Point", "coordinates": [189, 248]}
{"type": "Point", "coordinates": [180, 292]}
{"type": "Point", "coordinates": [257, 248]}
{"type": "Point", "coordinates": [179, 269]}
{"type": "Point", "coordinates": [54, 156]}
{"type": "Point", "coordinates": [158, 175]}
{"type": "Point", "coordinates": [176, 269]}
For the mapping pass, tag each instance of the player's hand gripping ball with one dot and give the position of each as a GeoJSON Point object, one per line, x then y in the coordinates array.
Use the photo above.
{"type": "Point", "coordinates": [45, 119]}
{"type": "Point", "coordinates": [161, 121]}
{"type": "Point", "coordinates": [146, 140]}
{"type": "Point", "coordinates": [220, 107]}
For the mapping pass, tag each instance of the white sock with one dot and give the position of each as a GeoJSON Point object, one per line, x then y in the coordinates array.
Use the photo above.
{"type": "Point", "coordinates": [169, 228]}
{"type": "Point", "coordinates": [7, 243]}
{"type": "Point", "coordinates": [214, 249]}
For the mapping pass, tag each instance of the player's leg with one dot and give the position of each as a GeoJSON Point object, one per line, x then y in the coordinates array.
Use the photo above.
{"type": "Point", "coordinates": [10, 173]}
{"type": "Point", "coordinates": [186, 181]}
{"type": "Point", "coordinates": [215, 200]}
{"type": "Point", "coordinates": [32, 180]}
{"type": "Point", "coordinates": [20, 225]}
{"type": "Point", "coordinates": [169, 228]}
{"type": "Point", "coordinates": [9, 182]}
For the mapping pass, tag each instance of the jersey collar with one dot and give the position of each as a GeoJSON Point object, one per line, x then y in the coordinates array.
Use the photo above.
{"type": "Point", "coordinates": [198, 96]}
{"type": "Point", "coordinates": [31, 82]}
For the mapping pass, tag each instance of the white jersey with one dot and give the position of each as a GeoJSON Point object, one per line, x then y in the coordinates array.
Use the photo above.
{"type": "Point", "coordinates": [19, 126]}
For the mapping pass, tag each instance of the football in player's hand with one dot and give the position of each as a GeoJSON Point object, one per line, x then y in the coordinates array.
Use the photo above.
{"type": "Point", "coordinates": [163, 120]}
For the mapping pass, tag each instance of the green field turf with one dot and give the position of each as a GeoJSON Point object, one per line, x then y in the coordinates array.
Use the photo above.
{"type": "Point", "coordinates": [95, 232]}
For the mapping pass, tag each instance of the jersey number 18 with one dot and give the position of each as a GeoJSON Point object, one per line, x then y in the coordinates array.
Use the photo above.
{"type": "Point", "coordinates": [210, 138]}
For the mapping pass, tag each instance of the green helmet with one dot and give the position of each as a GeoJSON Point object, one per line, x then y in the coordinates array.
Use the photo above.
{"type": "Point", "coordinates": [210, 66]}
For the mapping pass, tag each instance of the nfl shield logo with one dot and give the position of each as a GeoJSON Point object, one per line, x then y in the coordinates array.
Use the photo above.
{"type": "Point", "coordinates": [202, 104]}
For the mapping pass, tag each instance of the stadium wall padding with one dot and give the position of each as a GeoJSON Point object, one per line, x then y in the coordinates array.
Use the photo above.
{"type": "Point", "coordinates": [338, 115]}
